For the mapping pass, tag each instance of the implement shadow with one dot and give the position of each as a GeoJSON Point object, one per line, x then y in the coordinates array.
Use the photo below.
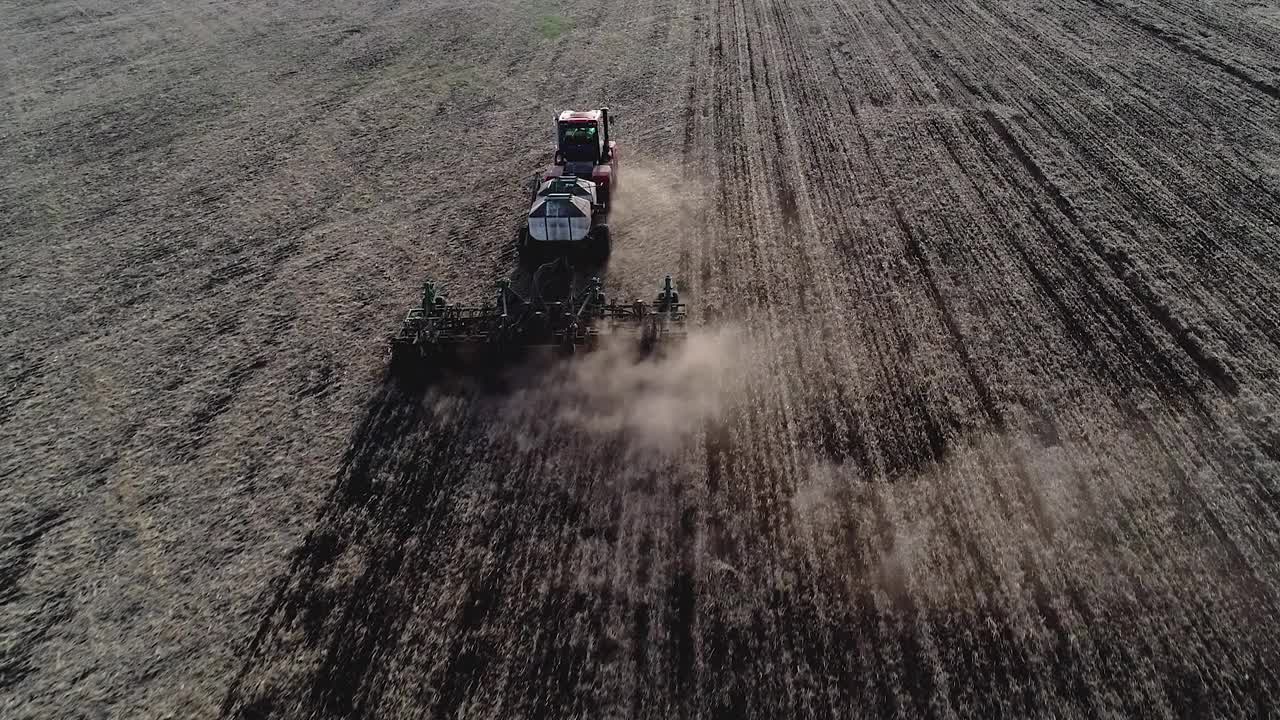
{"type": "Point", "coordinates": [392, 474]}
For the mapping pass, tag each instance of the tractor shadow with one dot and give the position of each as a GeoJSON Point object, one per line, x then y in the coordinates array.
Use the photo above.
{"type": "Point", "coordinates": [344, 598]}
{"type": "Point", "coordinates": [348, 595]}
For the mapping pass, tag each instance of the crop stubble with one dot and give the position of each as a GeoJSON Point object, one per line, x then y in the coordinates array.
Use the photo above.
{"type": "Point", "coordinates": [982, 420]}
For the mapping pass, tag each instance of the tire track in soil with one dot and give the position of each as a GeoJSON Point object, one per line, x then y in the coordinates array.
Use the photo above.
{"type": "Point", "coordinates": [1121, 263]}
{"type": "Point", "coordinates": [1168, 213]}
{"type": "Point", "coordinates": [923, 692]}
{"type": "Point", "coordinates": [915, 250]}
{"type": "Point", "coordinates": [997, 460]}
{"type": "Point", "coordinates": [783, 287]}
{"type": "Point", "coordinates": [1188, 335]}
{"type": "Point", "coordinates": [1181, 45]}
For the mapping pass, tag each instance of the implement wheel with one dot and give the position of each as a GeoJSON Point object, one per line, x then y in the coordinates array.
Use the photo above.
{"type": "Point", "coordinates": [599, 244]}
{"type": "Point", "coordinates": [526, 247]}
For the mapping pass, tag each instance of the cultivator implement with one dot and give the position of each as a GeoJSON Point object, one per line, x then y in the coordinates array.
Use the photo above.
{"type": "Point", "coordinates": [579, 319]}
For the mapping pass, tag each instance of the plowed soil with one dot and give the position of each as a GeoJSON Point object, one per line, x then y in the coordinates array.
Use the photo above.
{"type": "Point", "coordinates": [979, 418]}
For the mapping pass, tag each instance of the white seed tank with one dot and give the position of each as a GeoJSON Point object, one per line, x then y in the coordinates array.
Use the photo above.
{"type": "Point", "coordinates": [561, 210]}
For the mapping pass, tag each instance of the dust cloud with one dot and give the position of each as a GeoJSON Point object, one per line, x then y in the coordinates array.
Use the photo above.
{"type": "Point", "coordinates": [927, 520]}
{"type": "Point", "coordinates": [656, 404]}
{"type": "Point", "coordinates": [656, 199]}
{"type": "Point", "coordinates": [657, 219]}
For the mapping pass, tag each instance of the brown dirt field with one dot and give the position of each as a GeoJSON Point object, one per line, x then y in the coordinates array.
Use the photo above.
{"type": "Point", "coordinates": [980, 419]}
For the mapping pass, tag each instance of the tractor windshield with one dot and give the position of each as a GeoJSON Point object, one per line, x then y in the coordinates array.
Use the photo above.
{"type": "Point", "coordinates": [579, 141]}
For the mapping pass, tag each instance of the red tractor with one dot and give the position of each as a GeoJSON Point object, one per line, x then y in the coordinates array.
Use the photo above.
{"type": "Point", "coordinates": [583, 149]}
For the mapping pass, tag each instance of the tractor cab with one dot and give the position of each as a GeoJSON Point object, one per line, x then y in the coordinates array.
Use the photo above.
{"type": "Point", "coordinates": [581, 141]}
{"type": "Point", "coordinates": [583, 149]}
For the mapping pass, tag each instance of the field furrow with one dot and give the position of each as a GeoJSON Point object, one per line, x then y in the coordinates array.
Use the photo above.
{"type": "Point", "coordinates": [977, 417]}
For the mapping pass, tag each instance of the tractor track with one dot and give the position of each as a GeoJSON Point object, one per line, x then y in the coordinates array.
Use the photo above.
{"type": "Point", "coordinates": [981, 421]}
